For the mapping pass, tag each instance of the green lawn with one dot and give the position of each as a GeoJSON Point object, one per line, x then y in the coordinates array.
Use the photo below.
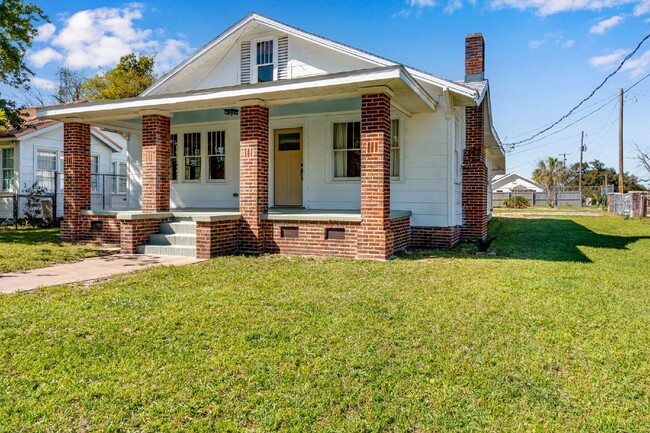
{"type": "Point", "coordinates": [552, 334]}
{"type": "Point", "coordinates": [25, 249]}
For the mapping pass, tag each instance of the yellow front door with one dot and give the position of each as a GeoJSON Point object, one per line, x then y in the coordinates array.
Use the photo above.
{"type": "Point", "coordinates": [288, 167]}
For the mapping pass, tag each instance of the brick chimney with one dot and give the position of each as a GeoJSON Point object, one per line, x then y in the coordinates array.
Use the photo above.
{"type": "Point", "coordinates": [474, 57]}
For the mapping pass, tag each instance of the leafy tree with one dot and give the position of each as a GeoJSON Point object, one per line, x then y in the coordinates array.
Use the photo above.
{"type": "Point", "coordinates": [550, 175]}
{"type": "Point", "coordinates": [17, 30]}
{"type": "Point", "coordinates": [643, 156]}
{"type": "Point", "coordinates": [595, 173]}
{"type": "Point", "coordinates": [128, 79]}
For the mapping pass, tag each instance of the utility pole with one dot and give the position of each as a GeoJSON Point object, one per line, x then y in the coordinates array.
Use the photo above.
{"type": "Point", "coordinates": [563, 155]}
{"type": "Point", "coordinates": [582, 148]}
{"type": "Point", "coordinates": [620, 143]}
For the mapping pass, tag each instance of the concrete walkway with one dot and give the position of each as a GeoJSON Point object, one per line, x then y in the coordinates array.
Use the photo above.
{"type": "Point", "coordinates": [88, 269]}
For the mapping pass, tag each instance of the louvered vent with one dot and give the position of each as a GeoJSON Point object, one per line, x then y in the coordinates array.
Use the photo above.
{"type": "Point", "coordinates": [283, 57]}
{"type": "Point", "coordinates": [245, 63]}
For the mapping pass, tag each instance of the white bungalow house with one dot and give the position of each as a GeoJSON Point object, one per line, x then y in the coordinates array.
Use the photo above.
{"type": "Point", "coordinates": [34, 155]}
{"type": "Point", "coordinates": [273, 139]}
{"type": "Point", "coordinates": [514, 182]}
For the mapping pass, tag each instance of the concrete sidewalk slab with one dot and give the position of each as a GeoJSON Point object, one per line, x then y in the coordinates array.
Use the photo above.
{"type": "Point", "coordinates": [88, 269]}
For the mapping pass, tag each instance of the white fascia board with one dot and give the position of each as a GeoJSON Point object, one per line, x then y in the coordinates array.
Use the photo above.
{"type": "Point", "coordinates": [168, 102]}
{"type": "Point", "coordinates": [454, 87]}
{"type": "Point", "coordinates": [103, 140]}
{"type": "Point", "coordinates": [40, 131]}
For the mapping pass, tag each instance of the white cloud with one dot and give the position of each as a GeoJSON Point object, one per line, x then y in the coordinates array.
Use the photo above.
{"type": "Point", "coordinates": [534, 44]}
{"type": "Point", "coordinates": [604, 25]}
{"type": "Point", "coordinates": [45, 32]}
{"type": "Point", "coordinates": [607, 59]}
{"type": "Point", "coordinates": [638, 66]}
{"type": "Point", "coordinates": [44, 56]}
{"type": "Point", "coordinates": [569, 43]}
{"type": "Point", "coordinates": [421, 3]}
{"type": "Point", "coordinates": [97, 38]}
{"type": "Point", "coordinates": [642, 8]}
{"type": "Point", "coordinates": [43, 83]}
{"type": "Point", "coordinates": [550, 7]}
{"type": "Point", "coordinates": [453, 6]}
{"type": "Point", "coordinates": [556, 39]}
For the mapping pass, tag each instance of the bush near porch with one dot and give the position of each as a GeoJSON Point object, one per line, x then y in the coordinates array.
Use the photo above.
{"type": "Point", "coordinates": [552, 334]}
{"type": "Point", "coordinates": [29, 248]}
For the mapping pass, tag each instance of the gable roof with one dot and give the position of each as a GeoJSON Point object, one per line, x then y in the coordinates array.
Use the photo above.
{"type": "Point", "coordinates": [473, 91]}
{"type": "Point", "coordinates": [510, 177]}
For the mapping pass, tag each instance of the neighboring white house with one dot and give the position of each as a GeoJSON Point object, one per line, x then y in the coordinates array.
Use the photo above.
{"type": "Point", "coordinates": [512, 182]}
{"type": "Point", "coordinates": [34, 155]}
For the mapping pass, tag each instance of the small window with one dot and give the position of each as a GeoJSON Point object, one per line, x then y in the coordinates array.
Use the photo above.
{"type": "Point", "coordinates": [288, 141]}
{"type": "Point", "coordinates": [217, 155]}
{"type": "Point", "coordinates": [94, 173]}
{"type": "Point", "coordinates": [7, 168]}
{"type": "Point", "coordinates": [394, 148]}
{"type": "Point", "coordinates": [192, 153]}
{"type": "Point", "coordinates": [265, 65]}
{"type": "Point", "coordinates": [289, 232]}
{"type": "Point", "coordinates": [347, 149]}
{"type": "Point", "coordinates": [119, 177]}
{"type": "Point", "coordinates": [335, 234]}
{"type": "Point", "coordinates": [173, 160]}
{"type": "Point", "coordinates": [46, 168]}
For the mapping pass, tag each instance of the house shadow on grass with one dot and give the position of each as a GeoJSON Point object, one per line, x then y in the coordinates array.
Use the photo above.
{"type": "Point", "coordinates": [548, 239]}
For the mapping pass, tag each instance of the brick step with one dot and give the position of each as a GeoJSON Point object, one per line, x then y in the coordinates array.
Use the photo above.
{"type": "Point", "coordinates": [172, 239]}
{"type": "Point", "coordinates": [178, 228]}
{"type": "Point", "coordinates": [167, 250]}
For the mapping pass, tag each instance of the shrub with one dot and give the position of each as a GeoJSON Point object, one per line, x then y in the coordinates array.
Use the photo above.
{"type": "Point", "coordinates": [517, 202]}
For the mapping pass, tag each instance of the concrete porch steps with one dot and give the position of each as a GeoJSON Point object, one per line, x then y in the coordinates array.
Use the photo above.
{"type": "Point", "coordinates": [176, 238]}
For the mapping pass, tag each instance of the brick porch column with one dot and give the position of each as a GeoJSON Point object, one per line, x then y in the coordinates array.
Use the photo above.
{"type": "Point", "coordinates": [254, 176]}
{"type": "Point", "coordinates": [156, 149]}
{"type": "Point", "coordinates": [76, 172]}
{"type": "Point", "coordinates": [374, 238]}
{"type": "Point", "coordinates": [475, 181]}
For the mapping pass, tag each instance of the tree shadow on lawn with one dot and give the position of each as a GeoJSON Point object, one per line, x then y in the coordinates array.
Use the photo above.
{"type": "Point", "coordinates": [29, 236]}
{"type": "Point", "coordinates": [545, 239]}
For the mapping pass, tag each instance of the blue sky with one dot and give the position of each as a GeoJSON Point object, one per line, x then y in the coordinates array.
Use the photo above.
{"type": "Point", "coordinates": [542, 57]}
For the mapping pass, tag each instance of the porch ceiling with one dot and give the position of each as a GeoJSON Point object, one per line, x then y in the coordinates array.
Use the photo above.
{"type": "Point", "coordinates": [407, 95]}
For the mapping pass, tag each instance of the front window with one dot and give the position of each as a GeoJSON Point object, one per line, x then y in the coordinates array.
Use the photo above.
{"type": "Point", "coordinates": [347, 149]}
{"type": "Point", "coordinates": [7, 168]}
{"type": "Point", "coordinates": [46, 168]}
{"type": "Point", "coordinates": [394, 148]}
{"type": "Point", "coordinates": [265, 65]}
{"type": "Point", "coordinates": [217, 155]}
{"type": "Point", "coordinates": [173, 163]}
{"type": "Point", "coordinates": [192, 154]}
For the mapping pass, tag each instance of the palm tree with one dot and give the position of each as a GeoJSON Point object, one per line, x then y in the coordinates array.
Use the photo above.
{"type": "Point", "coordinates": [550, 174]}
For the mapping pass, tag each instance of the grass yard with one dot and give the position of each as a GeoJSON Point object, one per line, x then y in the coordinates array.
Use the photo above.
{"type": "Point", "coordinates": [552, 334]}
{"type": "Point", "coordinates": [25, 249]}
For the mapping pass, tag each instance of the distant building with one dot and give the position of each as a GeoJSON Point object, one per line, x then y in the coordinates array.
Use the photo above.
{"type": "Point", "coordinates": [514, 182]}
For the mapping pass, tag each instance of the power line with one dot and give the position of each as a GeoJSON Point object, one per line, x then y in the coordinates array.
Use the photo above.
{"type": "Point", "coordinates": [512, 145]}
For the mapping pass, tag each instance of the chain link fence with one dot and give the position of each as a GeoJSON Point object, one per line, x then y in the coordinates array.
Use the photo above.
{"type": "Point", "coordinates": [42, 203]}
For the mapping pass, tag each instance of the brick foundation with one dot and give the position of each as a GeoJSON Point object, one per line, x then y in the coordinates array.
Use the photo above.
{"type": "Point", "coordinates": [312, 238]}
{"type": "Point", "coordinates": [136, 232]}
{"type": "Point", "coordinates": [253, 177]}
{"type": "Point", "coordinates": [101, 228]}
{"type": "Point", "coordinates": [374, 238]}
{"type": "Point", "coordinates": [216, 238]}
{"type": "Point", "coordinates": [435, 237]}
{"type": "Point", "coordinates": [156, 149]}
{"type": "Point", "coordinates": [76, 169]}
{"type": "Point", "coordinates": [401, 234]}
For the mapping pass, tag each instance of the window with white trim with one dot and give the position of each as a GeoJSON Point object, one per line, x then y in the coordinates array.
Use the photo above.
{"type": "Point", "coordinates": [119, 178]}
{"type": "Point", "coordinates": [94, 173]}
{"type": "Point", "coordinates": [347, 149]}
{"type": "Point", "coordinates": [192, 155]}
{"type": "Point", "coordinates": [265, 65]}
{"type": "Point", "coordinates": [46, 168]}
{"type": "Point", "coordinates": [173, 163]}
{"type": "Point", "coordinates": [216, 155]}
{"type": "Point", "coordinates": [8, 174]}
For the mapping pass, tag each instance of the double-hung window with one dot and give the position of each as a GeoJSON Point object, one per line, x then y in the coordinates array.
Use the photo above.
{"type": "Point", "coordinates": [173, 163]}
{"type": "Point", "coordinates": [347, 149]}
{"type": "Point", "coordinates": [119, 176]}
{"type": "Point", "coordinates": [264, 61]}
{"type": "Point", "coordinates": [46, 168]}
{"type": "Point", "coordinates": [216, 155]}
{"type": "Point", "coordinates": [7, 168]}
{"type": "Point", "coordinates": [192, 155]}
{"type": "Point", "coordinates": [94, 173]}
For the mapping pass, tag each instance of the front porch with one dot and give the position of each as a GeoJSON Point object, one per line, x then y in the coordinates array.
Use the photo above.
{"type": "Point", "coordinates": [205, 233]}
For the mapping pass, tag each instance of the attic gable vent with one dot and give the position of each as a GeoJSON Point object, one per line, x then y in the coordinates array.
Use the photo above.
{"type": "Point", "coordinates": [283, 57]}
{"type": "Point", "coordinates": [245, 75]}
